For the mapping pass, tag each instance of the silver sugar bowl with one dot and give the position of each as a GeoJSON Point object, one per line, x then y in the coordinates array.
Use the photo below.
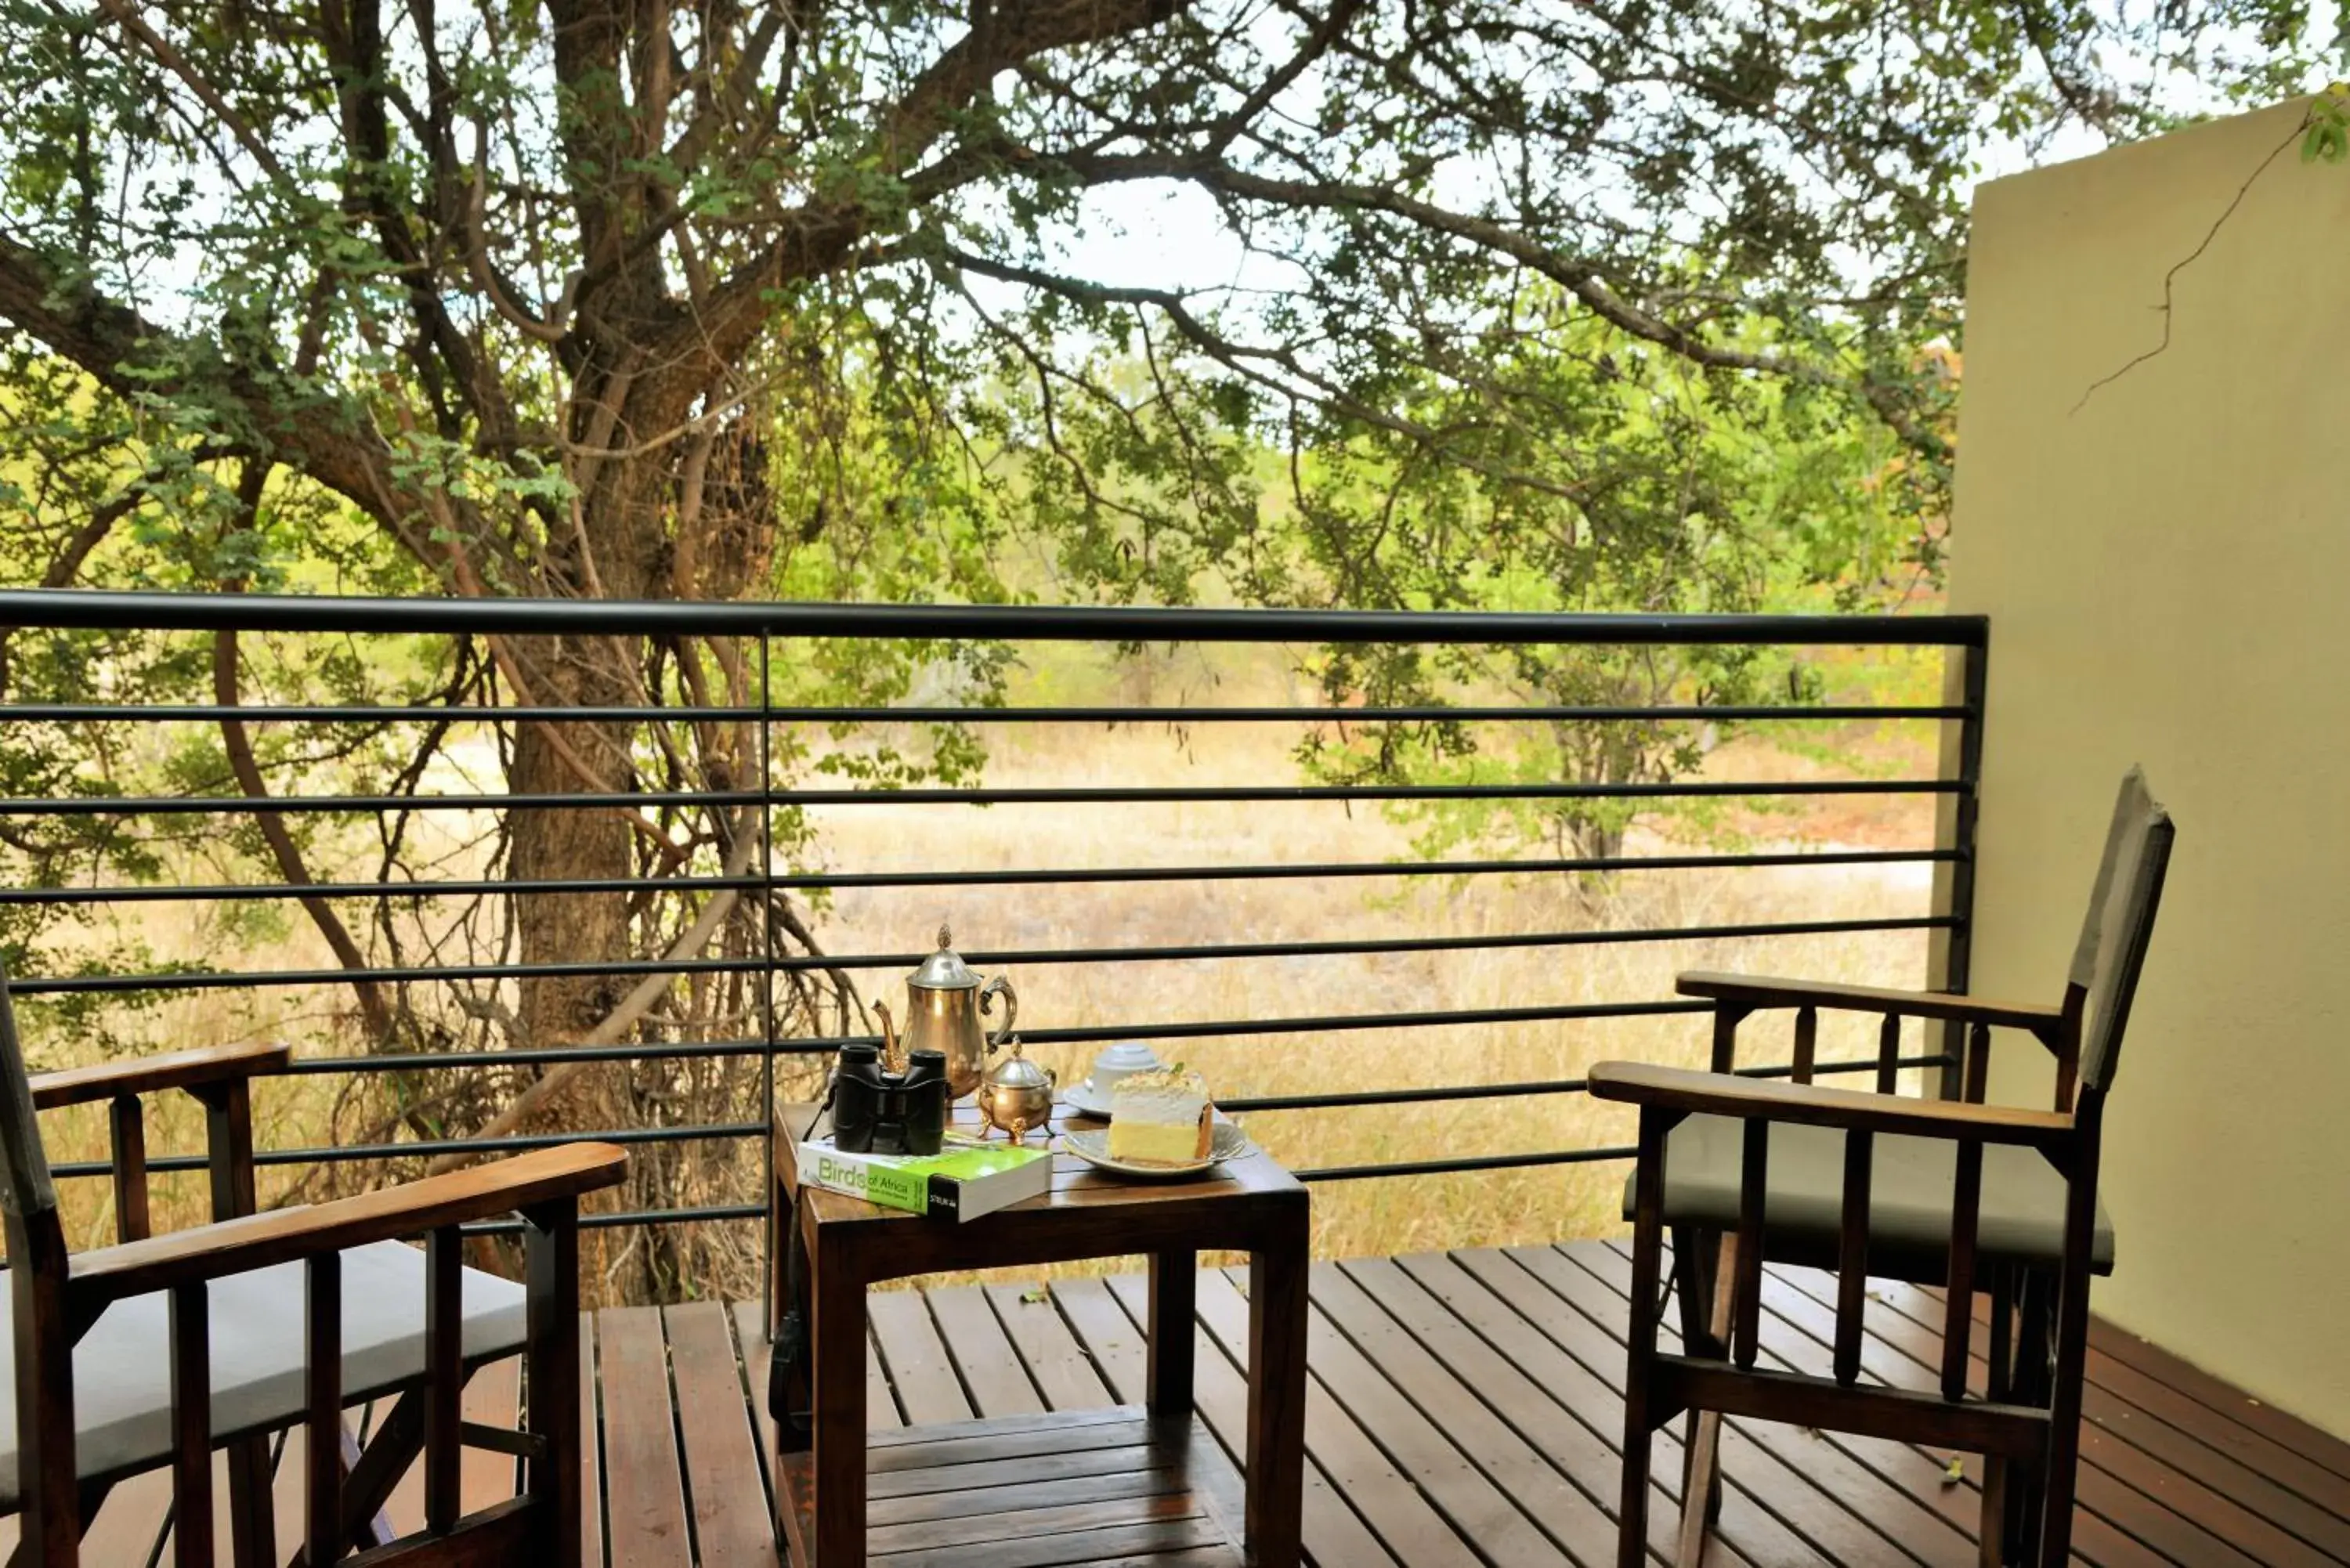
{"type": "Point", "coordinates": [1016, 1095]}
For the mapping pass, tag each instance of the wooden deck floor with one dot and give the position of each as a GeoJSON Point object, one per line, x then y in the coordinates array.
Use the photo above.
{"type": "Point", "coordinates": [1463, 1413]}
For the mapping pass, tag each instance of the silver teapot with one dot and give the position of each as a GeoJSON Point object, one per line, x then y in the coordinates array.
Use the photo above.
{"type": "Point", "coordinates": [945, 1002]}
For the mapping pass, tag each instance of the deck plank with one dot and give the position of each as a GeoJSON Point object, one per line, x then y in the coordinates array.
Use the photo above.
{"type": "Point", "coordinates": [1335, 1535]}
{"type": "Point", "coordinates": [1426, 1500]}
{"type": "Point", "coordinates": [644, 1486]}
{"type": "Point", "coordinates": [916, 1358]}
{"type": "Point", "coordinates": [1360, 1472]}
{"type": "Point", "coordinates": [130, 1524]}
{"type": "Point", "coordinates": [1574, 1520]}
{"type": "Point", "coordinates": [1794, 1343]}
{"type": "Point", "coordinates": [1463, 1411]}
{"type": "Point", "coordinates": [1048, 1350]}
{"type": "Point", "coordinates": [1118, 1347]}
{"type": "Point", "coordinates": [2281, 1485]}
{"type": "Point", "coordinates": [1555, 1402]}
{"type": "Point", "coordinates": [591, 1451]}
{"type": "Point", "coordinates": [1774, 1459]}
{"type": "Point", "coordinates": [1858, 1474]}
{"type": "Point", "coordinates": [1588, 1372]}
{"type": "Point", "coordinates": [991, 1370]}
{"type": "Point", "coordinates": [2289, 1432]}
{"type": "Point", "coordinates": [2130, 1489]}
{"type": "Point", "coordinates": [732, 1525]}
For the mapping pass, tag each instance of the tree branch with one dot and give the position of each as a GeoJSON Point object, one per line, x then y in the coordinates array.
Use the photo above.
{"type": "Point", "coordinates": [272, 824]}
{"type": "Point", "coordinates": [624, 1017]}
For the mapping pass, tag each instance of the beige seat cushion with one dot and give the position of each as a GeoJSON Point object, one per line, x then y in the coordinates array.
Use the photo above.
{"type": "Point", "coordinates": [123, 1367]}
{"type": "Point", "coordinates": [2021, 1215]}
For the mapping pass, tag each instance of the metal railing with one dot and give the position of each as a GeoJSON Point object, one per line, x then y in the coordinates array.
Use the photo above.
{"type": "Point", "coordinates": [764, 630]}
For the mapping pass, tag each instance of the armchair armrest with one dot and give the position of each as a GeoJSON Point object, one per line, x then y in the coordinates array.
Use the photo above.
{"type": "Point", "coordinates": [1760, 991]}
{"type": "Point", "coordinates": [285, 1235]}
{"type": "Point", "coordinates": [145, 1074]}
{"type": "Point", "coordinates": [1683, 1089]}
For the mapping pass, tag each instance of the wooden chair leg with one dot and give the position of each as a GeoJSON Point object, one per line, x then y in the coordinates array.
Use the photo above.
{"type": "Point", "coordinates": [1648, 1248]}
{"type": "Point", "coordinates": [252, 1516]}
{"type": "Point", "coordinates": [2027, 1485]}
{"type": "Point", "coordinates": [392, 1449]}
{"type": "Point", "coordinates": [552, 1367]}
{"type": "Point", "coordinates": [2072, 1333]}
{"type": "Point", "coordinates": [1708, 1293]}
{"type": "Point", "coordinates": [1992, 1534]}
{"type": "Point", "coordinates": [1696, 1259]}
{"type": "Point", "coordinates": [1700, 1487]}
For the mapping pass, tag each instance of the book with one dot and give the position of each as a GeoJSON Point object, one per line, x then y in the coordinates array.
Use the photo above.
{"type": "Point", "coordinates": [956, 1184]}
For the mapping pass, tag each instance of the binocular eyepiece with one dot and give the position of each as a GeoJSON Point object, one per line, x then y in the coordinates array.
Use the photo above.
{"type": "Point", "coordinates": [876, 1111]}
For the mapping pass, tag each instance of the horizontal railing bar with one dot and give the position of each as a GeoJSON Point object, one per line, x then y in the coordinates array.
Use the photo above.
{"type": "Point", "coordinates": [93, 610]}
{"type": "Point", "coordinates": [516, 1144]}
{"type": "Point", "coordinates": [1211, 1029]}
{"type": "Point", "coordinates": [1373, 946]}
{"type": "Point", "coordinates": [701, 1215]}
{"type": "Point", "coordinates": [187, 805]}
{"type": "Point", "coordinates": [222, 804]}
{"type": "Point", "coordinates": [451, 1060]}
{"type": "Point", "coordinates": [521, 1142]}
{"type": "Point", "coordinates": [1598, 1155]}
{"type": "Point", "coordinates": [1189, 713]}
{"type": "Point", "coordinates": [217, 980]}
{"type": "Point", "coordinates": [827, 1044]}
{"type": "Point", "coordinates": [1463, 1163]}
{"type": "Point", "coordinates": [378, 713]}
{"type": "Point", "coordinates": [432, 1061]}
{"type": "Point", "coordinates": [1277, 1103]}
{"type": "Point", "coordinates": [1333, 1024]}
{"type": "Point", "coordinates": [458, 888]}
{"type": "Point", "coordinates": [1013, 876]}
{"type": "Point", "coordinates": [427, 1062]}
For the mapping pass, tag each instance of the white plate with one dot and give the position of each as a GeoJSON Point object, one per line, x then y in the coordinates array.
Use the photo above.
{"type": "Point", "coordinates": [1086, 1100]}
{"type": "Point", "coordinates": [1229, 1142]}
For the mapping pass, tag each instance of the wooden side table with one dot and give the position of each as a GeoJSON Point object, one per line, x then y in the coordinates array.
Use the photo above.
{"type": "Point", "coordinates": [1249, 1205]}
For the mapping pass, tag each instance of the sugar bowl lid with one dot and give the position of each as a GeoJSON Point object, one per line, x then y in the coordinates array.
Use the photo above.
{"type": "Point", "coordinates": [944, 970]}
{"type": "Point", "coordinates": [1014, 1071]}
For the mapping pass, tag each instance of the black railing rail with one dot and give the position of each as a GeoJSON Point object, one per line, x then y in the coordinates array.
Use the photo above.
{"type": "Point", "coordinates": [1965, 639]}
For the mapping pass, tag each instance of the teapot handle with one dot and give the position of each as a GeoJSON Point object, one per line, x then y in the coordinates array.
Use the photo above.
{"type": "Point", "coordinates": [1010, 1009]}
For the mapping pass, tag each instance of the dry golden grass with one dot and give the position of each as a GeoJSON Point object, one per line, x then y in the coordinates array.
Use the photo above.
{"type": "Point", "coordinates": [1353, 1217]}
{"type": "Point", "coordinates": [1381, 1215]}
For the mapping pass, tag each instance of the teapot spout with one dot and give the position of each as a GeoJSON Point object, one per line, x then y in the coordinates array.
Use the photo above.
{"type": "Point", "coordinates": [890, 1054]}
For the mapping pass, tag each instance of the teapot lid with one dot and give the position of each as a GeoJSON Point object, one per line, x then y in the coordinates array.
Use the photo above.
{"type": "Point", "coordinates": [1014, 1071]}
{"type": "Point", "coordinates": [944, 970]}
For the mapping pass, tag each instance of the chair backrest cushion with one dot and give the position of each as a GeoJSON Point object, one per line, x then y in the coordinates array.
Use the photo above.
{"type": "Point", "coordinates": [2129, 802]}
{"type": "Point", "coordinates": [2121, 921]}
{"type": "Point", "coordinates": [26, 1188]}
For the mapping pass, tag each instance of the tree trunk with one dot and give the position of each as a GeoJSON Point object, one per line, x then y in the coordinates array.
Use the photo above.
{"type": "Point", "coordinates": [615, 551]}
{"type": "Point", "coordinates": [563, 844]}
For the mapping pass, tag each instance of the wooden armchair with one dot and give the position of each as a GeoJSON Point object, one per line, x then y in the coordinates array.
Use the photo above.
{"type": "Point", "coordinates": [1955, 1193]}
{"type": "Point", "coordinates": [160, 1349]}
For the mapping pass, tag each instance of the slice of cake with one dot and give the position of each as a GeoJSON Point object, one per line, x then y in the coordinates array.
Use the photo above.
{"type": "Point", "coordinates": [1160, 1119]}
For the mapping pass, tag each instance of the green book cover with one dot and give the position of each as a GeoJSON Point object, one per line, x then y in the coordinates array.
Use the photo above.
{"type": "Point", "coordinates": [957, 1183]}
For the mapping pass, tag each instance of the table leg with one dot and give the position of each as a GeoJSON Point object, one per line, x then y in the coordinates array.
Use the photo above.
{"type": "Point", "coordinates": [836, 1356]}
{"type": "Point", "coordinates": [1174, 1290]}
{"type": "Point", "coordinates": [1276, 1428]}
{"type": "Point", "coordinates": [790, 1392]}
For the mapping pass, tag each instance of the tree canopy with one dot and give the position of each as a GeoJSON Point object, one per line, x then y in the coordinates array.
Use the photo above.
{"type": "Point", "coordinates": [501, 278]}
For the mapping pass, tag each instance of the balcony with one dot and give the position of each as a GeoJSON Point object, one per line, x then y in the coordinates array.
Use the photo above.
{"type": "Point", "coordinates": [1464, 1396]}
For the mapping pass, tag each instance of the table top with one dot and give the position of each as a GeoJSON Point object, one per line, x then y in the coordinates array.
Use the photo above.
{"type": "Point", "coordinates": [1078, 1187]}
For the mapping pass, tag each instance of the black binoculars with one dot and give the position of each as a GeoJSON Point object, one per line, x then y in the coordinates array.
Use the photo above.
{"type": "Point", "coordinates": [876, 1111]}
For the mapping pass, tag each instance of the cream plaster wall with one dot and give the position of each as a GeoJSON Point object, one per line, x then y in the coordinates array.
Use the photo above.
{"type": "Point", "coordinates": [2166, 562]}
